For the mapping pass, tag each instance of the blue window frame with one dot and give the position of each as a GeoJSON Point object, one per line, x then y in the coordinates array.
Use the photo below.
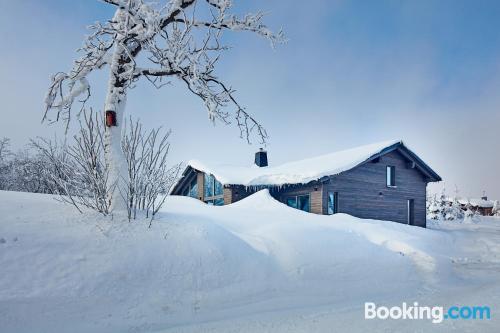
{"type": "Point", "coordinates": [292, 202]}
{"type": "Point", "coordinates": [209, 186]}
{"type": "Point", "coordinates": [213, 191]}
{"type": "Point", "coordinates": [193, 189]}
{"type": "Point", "coordinates": [301, 202]}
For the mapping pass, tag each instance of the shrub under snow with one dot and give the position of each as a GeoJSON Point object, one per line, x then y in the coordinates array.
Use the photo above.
{"type": "Point", "coordinates": [443, 208]}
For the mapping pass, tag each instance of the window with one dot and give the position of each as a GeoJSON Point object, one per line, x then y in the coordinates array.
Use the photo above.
{"type": "Point", "coordinates": [218, 188]}
{"type": "Point", "coordinates": [333, 202]}
{"type": "Point", "coordinates": [292, 202]}
{"type": "Point", "coordinates": [212, 186]}
{"type": "Point", "coordinates": [219, 202]}
{"type": "Point", "coordinates": [213, 191]}
{"type": "Point", "coordinates": [301, 202]}
{"type": "Point", "coordinates": [391, 176]}
{"type": "Point", "coordinates": [411, 211]}
{"type": "Point", "coordinates": [193, 189]}
{"type": "Point", "coordinates": [209, 185]}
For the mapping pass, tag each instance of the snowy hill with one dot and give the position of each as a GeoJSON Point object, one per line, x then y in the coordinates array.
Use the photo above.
{"type": "Point", "coordinates": [256, 265]}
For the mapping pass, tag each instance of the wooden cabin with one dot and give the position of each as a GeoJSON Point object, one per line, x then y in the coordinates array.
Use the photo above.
{"type": "Point", "coordinates": [481, 206]}
{"type": "Point", "coordinates": [384, 181]}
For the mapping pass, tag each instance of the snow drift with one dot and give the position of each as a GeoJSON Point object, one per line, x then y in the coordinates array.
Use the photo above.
{"type": "Point", "coordinates": [62, 271]}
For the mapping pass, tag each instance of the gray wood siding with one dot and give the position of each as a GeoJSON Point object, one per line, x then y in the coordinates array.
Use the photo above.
{"type": "Point", "coordinates": [362, 191]}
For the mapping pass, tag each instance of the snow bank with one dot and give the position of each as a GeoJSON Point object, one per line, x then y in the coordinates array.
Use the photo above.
{"type": "Point", "coordinates": [302, 171]}
{"type": "Point", "coordinates": [62, 271]}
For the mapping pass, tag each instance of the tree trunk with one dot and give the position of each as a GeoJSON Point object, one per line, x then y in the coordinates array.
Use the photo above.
{"type": "Point", "coordinates": [116, 98]}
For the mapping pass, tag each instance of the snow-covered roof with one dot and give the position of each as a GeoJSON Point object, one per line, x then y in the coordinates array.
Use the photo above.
{"type": "Point", "coordinates": [474, 202]}
{"type": "Point", "coordinates": [297, 172]}
{"type": "Point", "coordinates": [482, 203]}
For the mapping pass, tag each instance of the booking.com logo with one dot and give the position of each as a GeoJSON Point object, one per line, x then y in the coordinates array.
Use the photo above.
{"type": "Point", "coordinates": [435, 313]}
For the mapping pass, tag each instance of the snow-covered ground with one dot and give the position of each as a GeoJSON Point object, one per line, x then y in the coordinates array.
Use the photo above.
{"type": "Point", "coordinates": [253, 266]}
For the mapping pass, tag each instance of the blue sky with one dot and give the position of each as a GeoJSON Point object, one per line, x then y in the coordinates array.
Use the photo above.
{"type": "Point", "coordinates": [353, 72]}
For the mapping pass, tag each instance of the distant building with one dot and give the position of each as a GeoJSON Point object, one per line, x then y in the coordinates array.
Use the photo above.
{"type": "Point", "coordinates": [384, 181]}
{"type": "Point", "coordinates": [482, 206]}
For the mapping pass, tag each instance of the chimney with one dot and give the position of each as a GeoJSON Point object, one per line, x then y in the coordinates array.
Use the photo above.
{"type": "Point", "coordinates": [261, 158]}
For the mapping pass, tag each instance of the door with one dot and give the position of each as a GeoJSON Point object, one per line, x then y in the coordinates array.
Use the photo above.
{"type": "Point", "coordinates": [411, 212]}
{"type": "Point", "coordinates": [333, 203]}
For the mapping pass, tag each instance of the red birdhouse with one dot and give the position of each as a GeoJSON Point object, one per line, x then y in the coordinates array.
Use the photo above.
{"type": "Point", "coordinates": [110, 118]}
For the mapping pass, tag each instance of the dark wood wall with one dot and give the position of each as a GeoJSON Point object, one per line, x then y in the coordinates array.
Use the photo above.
{"type": "Point", "coordinates": [363, 192]}
{"type": "Point", "coordinates": [233, 193]}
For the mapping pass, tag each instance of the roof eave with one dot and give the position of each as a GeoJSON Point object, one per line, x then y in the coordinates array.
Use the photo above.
{"type": "Point", "coordinates": [423, 167]}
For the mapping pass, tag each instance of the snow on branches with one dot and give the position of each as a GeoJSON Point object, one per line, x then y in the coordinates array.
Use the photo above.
{"type": "Point", "coordinates": [179, 39]}
{"type": "Point", "coordinates": [496, 208]}
{"type": "Point", "coordinates": [77, 170]}
{"type": "Point", "coordinates": [444, 208]}
{"type": "Point", "coordinates": [149, 178]}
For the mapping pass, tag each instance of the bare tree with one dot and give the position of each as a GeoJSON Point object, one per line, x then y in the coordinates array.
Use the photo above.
{"type": "Point", "coordinates": [156, 40]}
{"type": "Point", "coordinates": [78, 168]}
{"type": "Point", "coordinates": [26, 170]}
{"type": "Point", "coordinates": [149, 178]}
{"type": "Point", "coordinates": [4, 148]}
{"type": "Point", "coordinates": [4, 165]}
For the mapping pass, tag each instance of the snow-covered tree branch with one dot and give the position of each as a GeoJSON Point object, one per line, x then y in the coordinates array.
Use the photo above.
{"type": "Point", "coordinates": [160, 41]}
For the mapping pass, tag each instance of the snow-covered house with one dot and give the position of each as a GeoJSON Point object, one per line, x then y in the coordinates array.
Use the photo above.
{"type": "Point", "coordinates": [385, 181]}
{"type": "Point", "coordinates": [481, 206]}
